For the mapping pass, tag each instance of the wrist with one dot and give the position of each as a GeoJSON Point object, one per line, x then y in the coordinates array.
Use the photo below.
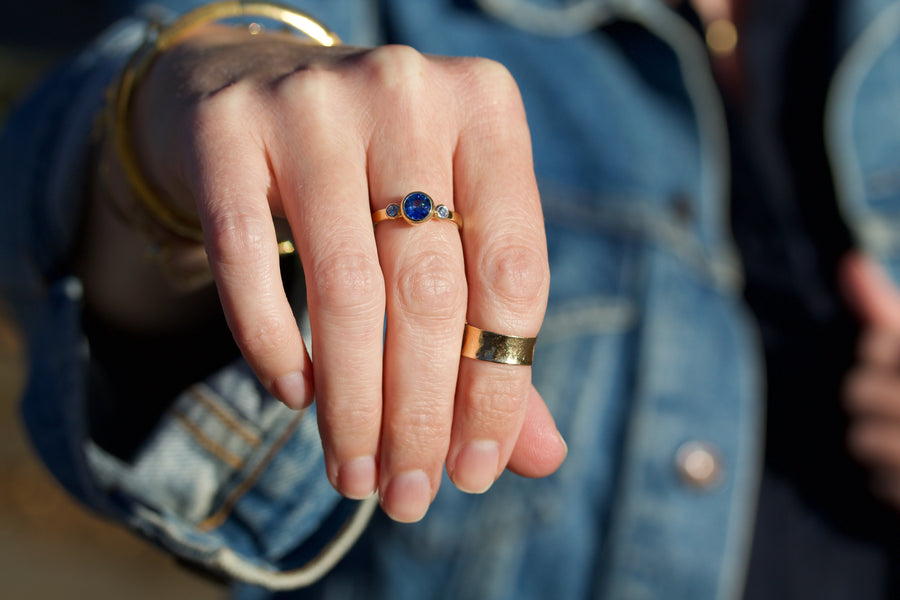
{"type": "Point", "coordinates": [120, 120]}
{"type": "Point", "coordinates": [136, 275]}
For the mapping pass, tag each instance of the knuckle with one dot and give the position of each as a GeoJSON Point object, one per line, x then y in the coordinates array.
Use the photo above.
{"type": "Point", "coordinates": [219, 119]}
{"type": "Point", "coordinates": [490, 81]}
{"type": "Point", "coordinates": [310, 88]}
{"type": "Point", "coordinates": [428, 287]}
{"type": "Point", "coordinates": [264, 336]}
{"type": "Point", "coordinates": [349, 284]}
{"type": "Point", "coordinates": [319, 107]}
{"type": "Point", "coordinates": [354, 420]}
{"type": "Point", "coordinates": [419, 429]}
{"type": "Point", "coordinates": [395, 66]}
{"type": "Point", "coordinates": [400, 76]}
{"type": "Point", "coordinates": [497, 401]}
{"type": "Point", "coordinates": [490, 75]}
{"type": "Point", "coordinates": [235, 238]}
{"type": "Point", "coordinates": [221, 106]}
{"type": "Point", "coordinates": [516, 274]}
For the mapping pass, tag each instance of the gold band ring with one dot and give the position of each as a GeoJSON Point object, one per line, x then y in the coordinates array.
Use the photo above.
{"type": "Point", "coordinates": [415, 208]}
{"type": "Point", "coordinates": [497, 348]}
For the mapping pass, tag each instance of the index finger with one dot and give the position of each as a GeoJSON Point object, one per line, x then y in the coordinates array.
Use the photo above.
{"type": "Point", "coordinates": [232, 181]}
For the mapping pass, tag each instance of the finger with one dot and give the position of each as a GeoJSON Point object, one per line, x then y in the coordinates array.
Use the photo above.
{"type": "Point", "coordinates": [231, 180]}
{"type": "Point", "coordinates": [540, 449]}
{"type": "Point", "coordinates": [871, 291]}
{"type": "Point", "coordinates": [880, 348]}
{"type": "Point", "coordinates": [873, 392]}
{"type": "Point", "coordinates": [424, 276]}
{"type": "Point", "coordinates": [507, 274]}
{"type": "Point", "coordinates": [876, 442]}
{"type": "Point", "coordinates": [322, 177]}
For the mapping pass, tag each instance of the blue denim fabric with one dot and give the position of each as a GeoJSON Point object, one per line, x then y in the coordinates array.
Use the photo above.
{"type": "Point", "coordinates": [646, 346]}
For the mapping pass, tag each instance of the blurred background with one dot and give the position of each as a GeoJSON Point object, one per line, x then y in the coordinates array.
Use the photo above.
{"type": "Point", "coordinates": [49, 546]}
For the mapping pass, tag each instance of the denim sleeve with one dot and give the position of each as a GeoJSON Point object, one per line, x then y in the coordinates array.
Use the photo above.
{"type": "Point", "coordinates": [230, 478]}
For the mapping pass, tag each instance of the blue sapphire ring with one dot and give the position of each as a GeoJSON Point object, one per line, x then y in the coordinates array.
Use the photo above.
{"type": "Point", "coordinates": [415, 208]}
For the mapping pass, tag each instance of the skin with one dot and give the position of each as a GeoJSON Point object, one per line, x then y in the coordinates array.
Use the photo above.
{"type": "Point", "coordinates": [872, 389]}
{"type": "Point", "coordinates": [239, 128]}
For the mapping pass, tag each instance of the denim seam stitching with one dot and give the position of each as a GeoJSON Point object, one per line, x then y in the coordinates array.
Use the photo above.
{"type": "Point", "coordinates": [207, 399]}
{"type": "Point", "coordinates": [222, 513]}
{"type": "Point", "coordinates": [229, 458]}
{"type": "Point", "coordinates": [850, 184]}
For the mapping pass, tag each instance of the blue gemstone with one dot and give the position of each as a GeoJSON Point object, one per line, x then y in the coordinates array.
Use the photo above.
{"type": "Point", "coordinates": [417, 206]}
{"type": "Point", "coordinates": [392, 210]}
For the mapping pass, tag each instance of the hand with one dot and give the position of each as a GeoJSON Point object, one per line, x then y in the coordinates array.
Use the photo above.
{"type": "Point", "coordinates": [872, 389]}
{"type": "Point", "coordinates": [241, 128]}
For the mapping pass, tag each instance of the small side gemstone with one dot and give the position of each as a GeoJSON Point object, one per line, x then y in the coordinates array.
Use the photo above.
{"type": "Point", "coordinates": [417, 206]}
{"type": "Point", "coordinates": [393, 210]}
{"type": "Point", "coordinates": [442, 212]}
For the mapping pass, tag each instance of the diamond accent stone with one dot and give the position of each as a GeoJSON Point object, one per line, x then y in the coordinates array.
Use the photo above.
{"type": "Point", "coordinates": [393, 210]}
{"type": "Point", "coordinates": [417, 207]}
{"type": "Point", "coordinates": [442, 212]}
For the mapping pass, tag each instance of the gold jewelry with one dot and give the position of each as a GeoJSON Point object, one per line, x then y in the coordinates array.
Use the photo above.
{"type": "Point", "coordinates": [182, 262]}
{"type": "Point", "coordinates": [175, 220]}
{"type": "Point", "coordinates": [721, 37]}
{"type": "Point", "coordinates": [416, 208]}
{"type": "Point", "coordinates": [498, 348]}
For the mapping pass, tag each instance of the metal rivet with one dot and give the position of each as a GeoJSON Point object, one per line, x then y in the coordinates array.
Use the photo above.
{"type": "Point", "coordinates": [721, 37]}
{"type": "Point", "coordinates": [698, 464]}
{"type": "Point", "coordinates": [72, 288]}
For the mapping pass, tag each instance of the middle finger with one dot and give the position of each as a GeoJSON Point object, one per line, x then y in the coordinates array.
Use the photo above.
{"type": "Point", "coordinates": [424, 279]}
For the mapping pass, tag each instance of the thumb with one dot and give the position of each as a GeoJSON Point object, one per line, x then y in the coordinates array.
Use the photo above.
{"type": "Point", "coordinates": [540, 449]}
{"type": "Point", "coordinates": [870, 291]}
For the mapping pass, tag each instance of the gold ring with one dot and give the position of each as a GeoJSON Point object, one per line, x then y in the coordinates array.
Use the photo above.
{"type": "Point", "coordinates": [416, 208]}
{"type": "Point", "coordinates": [497, 348]}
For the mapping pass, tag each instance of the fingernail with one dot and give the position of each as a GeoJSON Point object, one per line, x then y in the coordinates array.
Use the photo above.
{"type": "Point", "coordinates": [356, 478]}
{"type": "Point", "coordinates": [564, 444]}
{"type": "Point", "coordinates": [476, 466]}
{"type": "Point", "coordinates": [407, 496]}
{"type": "Point", "coordinates": [293, 389]}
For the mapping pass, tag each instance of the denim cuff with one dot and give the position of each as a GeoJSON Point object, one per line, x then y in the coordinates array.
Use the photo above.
{"type": "Point", "coordinates": [233, 481]}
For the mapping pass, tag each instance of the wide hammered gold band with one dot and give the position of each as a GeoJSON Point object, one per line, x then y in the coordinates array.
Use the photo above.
{"type": "Point", "coordinates": [498, 348]}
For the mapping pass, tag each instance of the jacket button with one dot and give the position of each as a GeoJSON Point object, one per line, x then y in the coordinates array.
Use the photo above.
{"type": "Point", "coordinates": [698, 464]}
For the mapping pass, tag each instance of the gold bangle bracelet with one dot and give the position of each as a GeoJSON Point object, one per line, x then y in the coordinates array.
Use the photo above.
{"type": "Point", "coordinates": [176, 221]}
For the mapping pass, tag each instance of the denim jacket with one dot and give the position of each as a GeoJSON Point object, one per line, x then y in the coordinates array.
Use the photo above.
{"type": "Point", "coordinates": [648, 358]}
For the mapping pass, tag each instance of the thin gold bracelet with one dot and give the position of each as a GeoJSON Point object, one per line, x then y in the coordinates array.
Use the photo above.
{"type": "Point", "coordinates": [176, 221]}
